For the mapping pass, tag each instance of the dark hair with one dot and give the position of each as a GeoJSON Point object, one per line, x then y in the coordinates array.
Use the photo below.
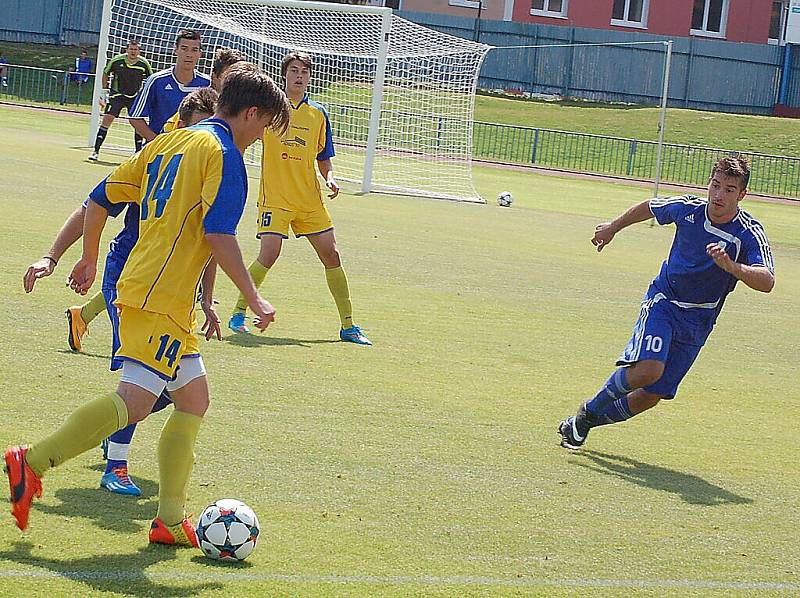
{"type": "Point", "coordinates": [246, 86]}
{"type": "Point", "coordinates": [200, 100]}
{"type": "Point", "coordinates": [192, 34]}
{"type": "Point", "coordinates": [296, 55]}
{"type": "Point", "coordinates": [734, 166]}
{"type": "Point", "coordinates": [224, 58]}
{"type": "Point", "coordinates": [132, 42]}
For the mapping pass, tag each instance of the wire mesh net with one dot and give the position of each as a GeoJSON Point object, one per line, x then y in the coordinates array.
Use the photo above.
{"type": "Point", "coordinates": [424, 132]}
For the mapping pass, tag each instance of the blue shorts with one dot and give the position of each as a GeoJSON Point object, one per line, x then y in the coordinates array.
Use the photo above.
{"type": "Point", "coordinates": [667, 333]}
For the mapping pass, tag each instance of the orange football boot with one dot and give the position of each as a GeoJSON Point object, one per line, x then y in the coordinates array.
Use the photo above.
{"type": "Point", "coordinates": [23, 483]}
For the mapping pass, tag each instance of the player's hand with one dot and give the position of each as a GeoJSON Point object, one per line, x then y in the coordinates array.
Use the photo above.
{"type": "Point", "coordinates": [603, 233]}
{"type": "Point", "coordinates": [82, 276]}
{"type": "Point", "coordinates": [211, 326]}
{"type": "Point", "coordinates": [264, 313]}
{"type": "Point", "coordinates": [104, 97]}
{"type": "Point", "coordinates": [39, 269]}
{"type": "Point", "coordinates": [721, 258]}
{"type": "Point", "coordinates": [334, 187]}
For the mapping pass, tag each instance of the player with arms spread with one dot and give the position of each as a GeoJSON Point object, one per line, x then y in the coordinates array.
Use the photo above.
{"type": "Point", "coordinates": [126, 73]}
{"type": "Point", "coordinates": [163, 91]}
{"type": "Point", "coordinates": [290, 195]}
{"type": "Point", "coordinates": [191, 186]}
{"type": "Point", "coordinates": [716, 245]}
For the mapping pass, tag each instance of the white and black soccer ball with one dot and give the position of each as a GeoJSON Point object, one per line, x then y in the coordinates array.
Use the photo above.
{"type": "Point", "coordinates": [504, 199]}
{"type": "Point", "coordinates": [228, 530]}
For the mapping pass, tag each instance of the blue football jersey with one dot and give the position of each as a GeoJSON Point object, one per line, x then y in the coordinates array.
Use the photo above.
{"type": "Point", "coordinates": [689, 278]}
{"type": "Point", "coordinates": [160, 96]}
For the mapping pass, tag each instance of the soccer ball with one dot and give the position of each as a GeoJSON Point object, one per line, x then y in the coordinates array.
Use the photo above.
{"type": "Point", "coordinates": [504, 199]}
{"type": "Point", "coordinates": [227, 530]}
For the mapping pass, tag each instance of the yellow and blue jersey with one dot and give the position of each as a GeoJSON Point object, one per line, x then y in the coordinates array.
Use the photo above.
{"type": "Point", "coordinates": [187, 184]}
{"type": "Point", "coordinates": [288, 163]}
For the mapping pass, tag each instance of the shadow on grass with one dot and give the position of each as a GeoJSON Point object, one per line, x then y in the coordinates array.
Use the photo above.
{"type": "Point", "coordinates": [257, 340]}
{"type": "Point", "coordinates": [105, 509]}
{"type": "Point", "coordinates": [107, 357]}
{"type": "Point", "coordinates": [691, 488]}
{"type": "Point", "coordinates": [118, 573]}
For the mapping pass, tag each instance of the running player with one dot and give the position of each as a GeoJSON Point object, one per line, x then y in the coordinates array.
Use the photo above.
{"type": "Point", "coordinates": [716, 245]}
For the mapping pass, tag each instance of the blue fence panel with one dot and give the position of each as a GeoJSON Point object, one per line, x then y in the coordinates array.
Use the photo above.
{"type": "Point", "coordinates": [72, 22]}
{"type": "Point", "coordinates": [705, 74]}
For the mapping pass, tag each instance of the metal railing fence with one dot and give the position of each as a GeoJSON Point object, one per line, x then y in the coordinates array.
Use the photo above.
{"type": "Point", "coordinates": [581, 152]}
{"type": "Point", "coordinates": [38, 86]}
{"type": "Point", "coordinates": [629, 158]}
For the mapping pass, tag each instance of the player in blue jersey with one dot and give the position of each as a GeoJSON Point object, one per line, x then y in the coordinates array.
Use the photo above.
{"type": "Point", "coordinates": [163, 91]}
{"type": "Point", "coordinates": [716, 245]}
{"type": "Point", "coordinates": [198, 105]}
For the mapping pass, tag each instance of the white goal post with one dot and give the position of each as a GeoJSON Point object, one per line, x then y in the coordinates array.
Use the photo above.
{"type": "Point", "coordinates": [400, 97]}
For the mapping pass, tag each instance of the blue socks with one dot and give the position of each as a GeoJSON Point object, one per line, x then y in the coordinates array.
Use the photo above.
{"type": "Point", "coordinates": [610, 404]}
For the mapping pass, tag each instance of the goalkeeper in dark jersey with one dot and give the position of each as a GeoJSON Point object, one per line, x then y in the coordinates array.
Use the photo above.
{"type": "Point", "coordinates": [125, 74]}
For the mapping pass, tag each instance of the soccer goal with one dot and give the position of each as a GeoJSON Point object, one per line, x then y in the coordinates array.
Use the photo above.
{"type": "Point", "coordinates": [400, 97]}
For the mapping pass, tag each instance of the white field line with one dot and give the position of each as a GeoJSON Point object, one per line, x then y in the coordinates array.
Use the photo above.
{"type": "Point", "coordinates": [404, 580]}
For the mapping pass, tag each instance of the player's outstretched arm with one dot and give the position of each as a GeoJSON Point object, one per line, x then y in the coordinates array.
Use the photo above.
{"type": "Point", "coordinates": [211, 326]}
{"type": "Point", "coordinates": [605, 231]}
{"type": "Point", "coordinates": [70, 232]}
{"type": "Point", "coordinates": [326, 170]}
{"type": "Point", "coordinates": [758, 278]}
{"type": "Point", "coordinates": [227, 254]}
{"type": "Point", "coordinates": [85, 270]}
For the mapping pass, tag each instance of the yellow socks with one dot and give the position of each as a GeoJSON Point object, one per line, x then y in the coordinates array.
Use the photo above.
{"type": "Point", "coordinates": [337, 283]}
{"type": "Point", "coordinates": [92, 308]}
{"type": "Point", "coordinates": [258, 272]}
{"type": "Point", "coordinates": [175, 462]}
{"type": "Point", "coordinates": [83, 430]}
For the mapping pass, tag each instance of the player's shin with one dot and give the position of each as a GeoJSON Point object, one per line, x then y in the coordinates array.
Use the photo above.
{"type": "Point", "coordinates": [258, 272]}
{"type": "Point", "coordinates": [615, 389]}
{"type": "Point", "coordinates": [83, 430]}
{"type": "Point", "coordinates": [337, 283]}
{"type": "Point", "coordinates": [175, 462]}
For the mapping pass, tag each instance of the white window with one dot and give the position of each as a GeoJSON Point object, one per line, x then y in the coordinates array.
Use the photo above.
{"type": "Point", "coordinates": [549, 8]}
{"type": "Point", "coordinates": [466, 3]}
{"type": "Point", "coordinates": [630, 13]}
{"type": "Point", "coordinates": [777, 23]}
{"type": "Point", "coordinates": [709, 17]}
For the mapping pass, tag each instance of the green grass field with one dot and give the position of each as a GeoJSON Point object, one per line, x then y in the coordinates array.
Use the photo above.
{"type": "Point", "coordinates": [427, 465]}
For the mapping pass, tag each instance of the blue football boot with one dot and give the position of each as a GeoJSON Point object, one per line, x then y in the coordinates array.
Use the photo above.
{"type": "Point", "coordinates": [354, 335]}
{"type": "Point", "coordinates": [118, 482]}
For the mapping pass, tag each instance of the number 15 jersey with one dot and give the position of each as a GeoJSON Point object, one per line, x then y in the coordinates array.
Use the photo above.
{"type": "Point", "coordinates": [187, 183]}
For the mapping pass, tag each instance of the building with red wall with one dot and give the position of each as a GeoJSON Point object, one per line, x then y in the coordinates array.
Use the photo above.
{"type": "Point", "coordinates": [753, 21]}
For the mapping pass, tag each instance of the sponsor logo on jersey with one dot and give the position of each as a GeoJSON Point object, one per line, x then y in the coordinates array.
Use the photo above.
{"type": "Point", "coordinates": [690, 218]}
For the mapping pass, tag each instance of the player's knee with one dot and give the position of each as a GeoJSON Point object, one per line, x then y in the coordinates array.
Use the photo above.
{"type": "Point", "coordinates": [648, 372]}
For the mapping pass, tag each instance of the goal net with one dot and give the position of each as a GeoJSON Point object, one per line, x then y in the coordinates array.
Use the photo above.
{"type": "Point", "coordinates": [400, 97]}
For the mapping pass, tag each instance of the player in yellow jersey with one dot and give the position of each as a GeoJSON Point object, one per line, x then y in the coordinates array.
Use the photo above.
{"type": "Point", "coordinates": [191, 186]}
{"type": "Point", "coordinates": [290, 195]}
{"type": "Point", "coordinates": [80, 316]}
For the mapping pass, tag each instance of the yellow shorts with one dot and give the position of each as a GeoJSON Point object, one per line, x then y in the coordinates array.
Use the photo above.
{"type": "Point", "coordinates": [276, 221]}
{"type": "Point", "coordinates": [155, 341]}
